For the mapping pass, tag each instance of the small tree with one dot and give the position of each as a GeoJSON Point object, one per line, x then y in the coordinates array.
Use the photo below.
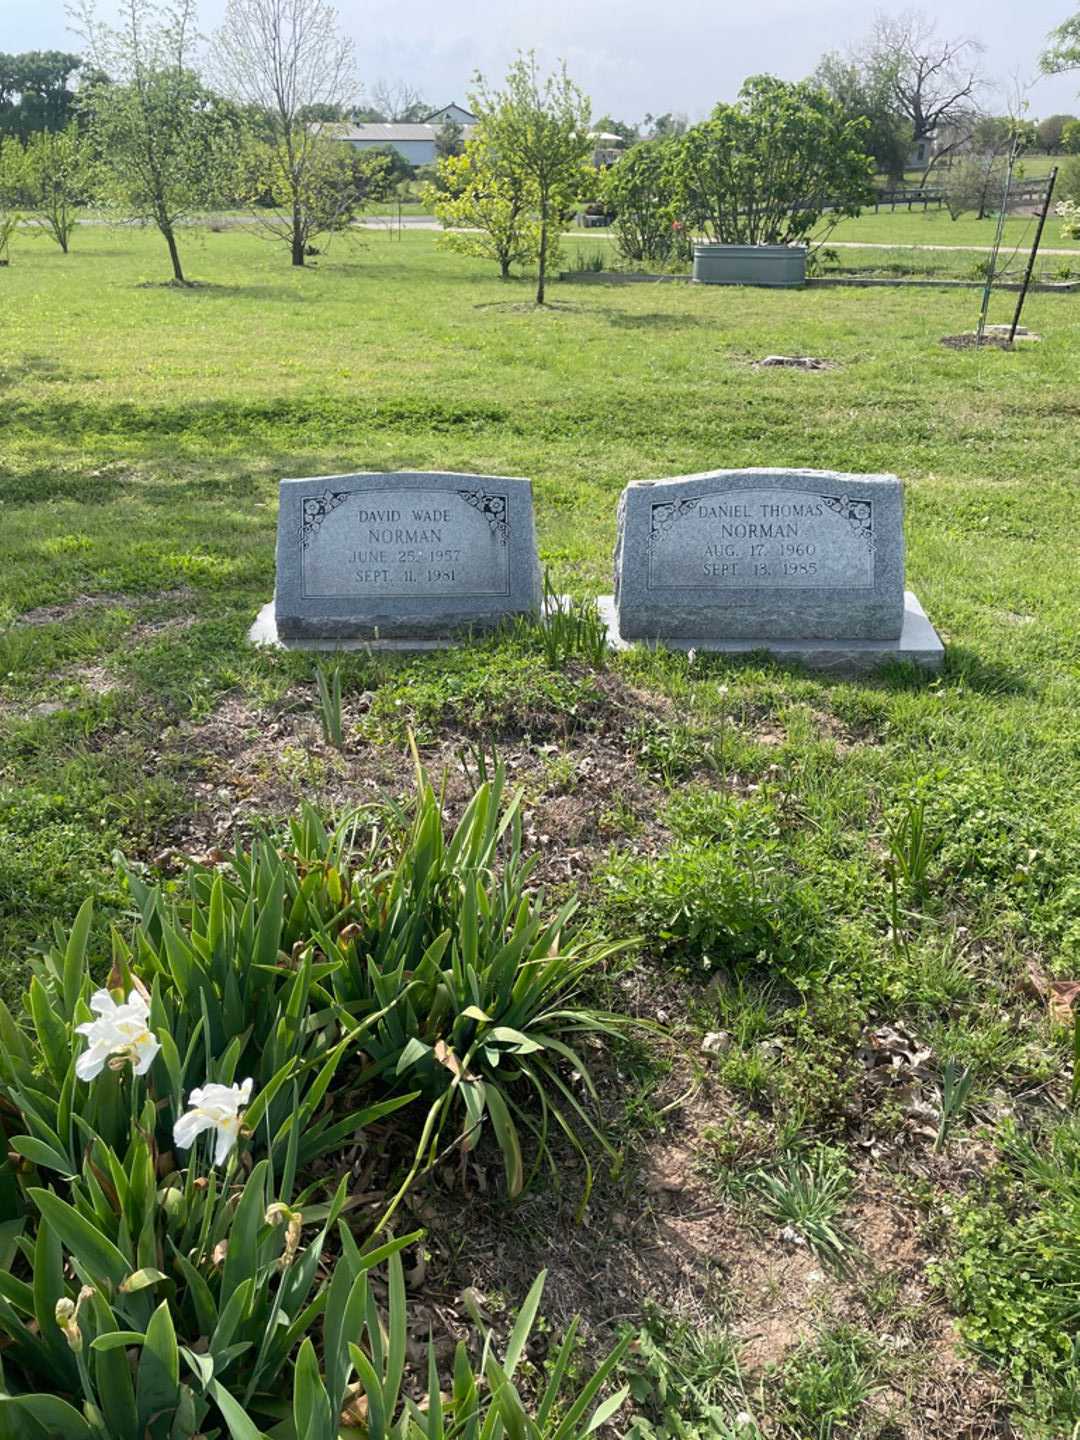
{"type": "Point", "coordinates": [974, 183]}
{"type": "Point", "coordinates": [764, 170]}
{"type": "Point", "coordinates": [58, 175]}
{"type": "Point", "coordinates": [489, 211]}
{"type": "Point", "coordinates": [539, 130]}
{"type": "Point", "coordinates": [449, 139]}
{"type": "Point", "coordinates": [167, 144]}
{"type": "Point", "coordinates": [1070, 138]}
{"type": "Point", "coordinates": [285, 57]}
{"type": "Point", "coordinates": [328, 193]}
{"type": "Point", "coordinates": [11, 180]}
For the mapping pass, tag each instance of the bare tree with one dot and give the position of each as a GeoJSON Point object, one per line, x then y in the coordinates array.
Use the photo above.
{"type": "Point", "coordinates": [284, 57]}
{"type": "Point", "coordinates": [934, 81]}
{"type": "Point", "coordinates": [398, 103]}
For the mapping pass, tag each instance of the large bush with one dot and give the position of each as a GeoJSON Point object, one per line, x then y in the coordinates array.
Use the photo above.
{"type": "Point", "coordinates": [764, 170]}
{"type": "Point", "coordinates": [639, 190]}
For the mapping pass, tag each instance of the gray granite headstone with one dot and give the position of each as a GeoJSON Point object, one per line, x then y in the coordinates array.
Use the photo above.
{"type": "Point", "coordinates": [403, 556]}
{"type": "Point", "coordinates": [807, 562]}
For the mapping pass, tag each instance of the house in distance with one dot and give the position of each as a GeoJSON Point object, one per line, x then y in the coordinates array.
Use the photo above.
{"type": "Point", "coordinates": [413, 141]}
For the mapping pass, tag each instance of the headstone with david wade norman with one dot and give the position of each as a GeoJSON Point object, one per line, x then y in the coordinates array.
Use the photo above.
{"type": "Point", "coordinates": [409, 559]}
{"type": "Point", "coordinates": [807, 564]}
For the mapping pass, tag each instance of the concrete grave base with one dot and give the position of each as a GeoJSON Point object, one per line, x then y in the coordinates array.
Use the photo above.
{"type": "Point", "coordinates": [919, 643]}
{"type": "Point", "coordinates": [264, 633]}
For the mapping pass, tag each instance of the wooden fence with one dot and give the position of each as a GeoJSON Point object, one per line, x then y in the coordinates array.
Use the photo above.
{"type": "Point", "coordinates": [1022, 192]}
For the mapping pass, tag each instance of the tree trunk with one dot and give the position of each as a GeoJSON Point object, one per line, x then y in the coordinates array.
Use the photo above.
{"type": "Point", "coordinates": [297, 236]}
{"type": "Point", "coordinates": [174, 254]}
{"type": "Point", "coordinates": [504, 266]}
{"type": "Point", "coordinates": [543, 258]}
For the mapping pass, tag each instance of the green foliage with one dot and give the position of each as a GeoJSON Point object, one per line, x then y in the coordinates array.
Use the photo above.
{"type": "Point", "coordinates": [476, 994]}
{"type": "Point", "coordinates": [639, 190]}
{"type": "Point", "coordinates": [289, 66]}
{"type": "Point", "coordinates": [34, 92]}
{"type": "Point", "coordinates": [158, 1250]}
{"type": "Point", "coordinates": [483, 1400]}
{"type": "Point", "coordinates": [865, 93]}
{"type": "Point", "coordinates": [1013, 1270]}
{"type": "Point", "coordinates": [809, 1194]}
{"type": "Point", "coordinates": [318, 189]}
{"type": "Point", "coordinates": [539, 130]}
{"type": "Point", "coordinates": [912, 848]}
{"type": "Point", "coordinates": [955, 1091]}
{"type": "Point", "coordinates": [571, 630]}
{"type": "Point", "coordinates": [684, 1381]}
{"type": "Point", "coordinates": [328, 685]}
{"type": "Point", "coordinates": [1070, 139]}
{"type": "Point", "coordinates": [58, 178]}
{"type": "Point", "coordinates": [491, 207]}
{"type": "Point", "coordinates": [503, 686]}
{"type": "Point", "coordinates": [763, 170]}
{"type": "Point", "coordinates": [718, 905]}
{"type": "Point", "coordinates": [167, 144]}
{"type": "Point", "coordinates": [823, 1383]}
{"type": "Point", "coordinates": [1063, 52]}
{"type": "Point", "coordinates": [1051, 132]}
{"type": "Point", "coordinates": [428, 955]}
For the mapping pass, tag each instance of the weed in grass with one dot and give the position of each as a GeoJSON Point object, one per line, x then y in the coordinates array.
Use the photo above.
{"type": "Point", "coordinates": [912, 847]}
{"type": "Point", "coordinates": [955, 1094]}
{"type": "Point", "coordinates": [479, 761]}
{"type": "Point", "coordinates": [685, 1381]}
{"type": "Point", "coordinates": [808, 1194]}
{"type": "Point", "coordinates": [821, 1387]}
{"type": "Point", "coordinates": [328, 684]}
{"type": "Point", "coordinates": [1012, 1270]}
{"type": "Point", "coordinates": [715, 906]}
{"type": "Point", "coordinates": [620, 819]}
{"type": "Point", "coordinates": [17, 650]}
{"type": "Point", "coordinates": [571, 630]}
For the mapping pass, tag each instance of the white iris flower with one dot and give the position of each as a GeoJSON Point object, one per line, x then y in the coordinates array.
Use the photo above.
{"type": "Point", "coordinates": [213, 1107]}
{"type": "Point", "coordinates": [120, 1033]}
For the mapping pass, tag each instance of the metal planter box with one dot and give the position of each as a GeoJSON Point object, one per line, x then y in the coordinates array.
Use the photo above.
{"type": "Point", "coordinates": [783, 265]}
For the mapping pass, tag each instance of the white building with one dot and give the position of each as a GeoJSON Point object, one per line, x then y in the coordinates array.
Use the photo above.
{"type": "Point", "coordinates": [414, 141]}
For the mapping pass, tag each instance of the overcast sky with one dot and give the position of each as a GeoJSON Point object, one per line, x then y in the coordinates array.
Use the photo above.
{"type": "Point", "coordinates": [631, 56]}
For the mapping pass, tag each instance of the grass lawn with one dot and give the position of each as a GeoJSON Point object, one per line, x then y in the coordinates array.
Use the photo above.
{"type": "Point", "coordinates": [858, 1213]}
{"type": "Point", "coordinates": [936, 227]}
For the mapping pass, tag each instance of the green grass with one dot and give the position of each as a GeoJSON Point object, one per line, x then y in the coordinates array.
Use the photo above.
{"type": "Point", "coordinates": [143, 430]}
{"type": "Point", "coordinates": [936, 227]}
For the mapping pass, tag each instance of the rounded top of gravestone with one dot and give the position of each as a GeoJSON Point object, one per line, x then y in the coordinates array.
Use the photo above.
{"type": "Point", "coordinates": [777, 477]}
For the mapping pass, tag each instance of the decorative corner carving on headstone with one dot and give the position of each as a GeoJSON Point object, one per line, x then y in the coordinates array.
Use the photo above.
{"type": "Point", "coordinates": [315, 510]}
{"type": "Point", "coordinates": [664, 515]}
{"type": "Point", "coordinates": [858, 513]}
{"type": "Point", "coordinates": [493, 509]}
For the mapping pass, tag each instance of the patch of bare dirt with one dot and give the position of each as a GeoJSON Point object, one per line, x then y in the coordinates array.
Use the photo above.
{"type": "Point", "coordinates": [70, 609]}
{"type": "Point", "coordinates": [250, 763]}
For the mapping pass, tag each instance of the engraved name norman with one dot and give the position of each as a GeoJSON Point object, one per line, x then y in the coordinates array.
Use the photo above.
{"type": "Point", "coordinates": [761, 539]}
{"type": "Point", "coordinates": [416, 543]}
